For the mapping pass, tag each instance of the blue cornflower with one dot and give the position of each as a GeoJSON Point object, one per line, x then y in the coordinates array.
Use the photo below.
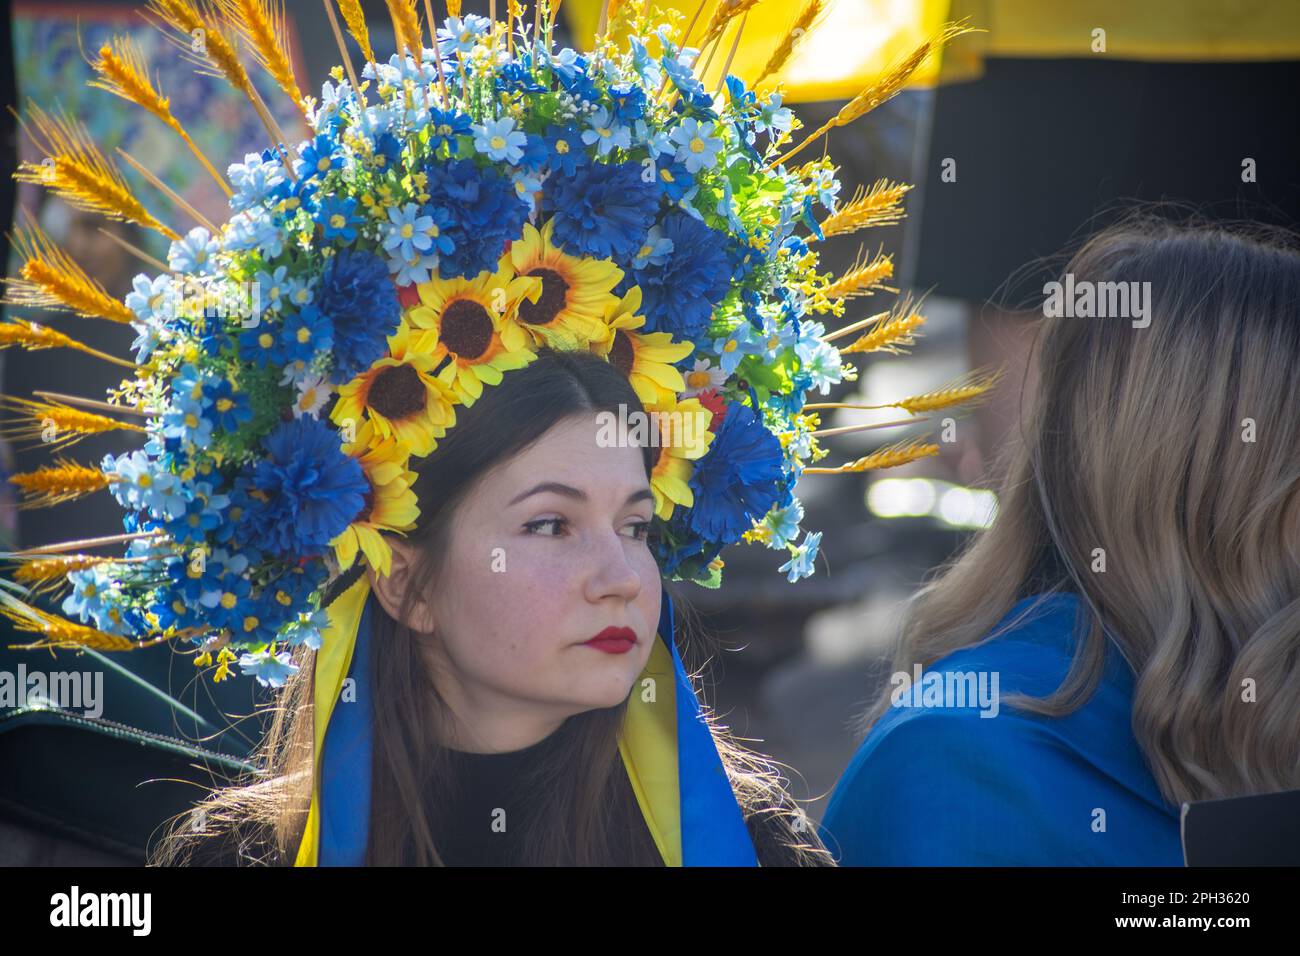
{"type": "Point", "coordinates": [606, 132]}
{"type": "Point", "coordinates": [679, 296]}
{"type": "Point", "coordinates": [603, 210]}
{"type": "Point", "coordinates": [358, 297]}
{"type": "Point", "coordinates": [697, 147]}
{"type": "Point", "coordinates": [338, 216]}
{"type": "Point", "coordinates": [486, 212]}
{"type": "Point", "coordinates": [313, 490]}
{"type": "Point", "coordinates": [738, 480]}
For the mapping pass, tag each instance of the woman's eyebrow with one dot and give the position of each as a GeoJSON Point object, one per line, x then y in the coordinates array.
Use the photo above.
{"type": "Point", "coordinates": [568, 491]}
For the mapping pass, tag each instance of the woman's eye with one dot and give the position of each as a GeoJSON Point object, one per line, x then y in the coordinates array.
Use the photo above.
{"type": "Point", "coordinates": [555, 523]}
{"type": "Point", "coordinates": [640, 530]}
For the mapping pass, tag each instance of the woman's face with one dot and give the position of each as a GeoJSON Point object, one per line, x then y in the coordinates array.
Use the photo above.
{"type": "Point", "coordinates": [546, 552]}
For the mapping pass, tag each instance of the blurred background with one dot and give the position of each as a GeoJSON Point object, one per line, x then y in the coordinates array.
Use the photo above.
{"type": "Point", "coordinates": [1019, 141]}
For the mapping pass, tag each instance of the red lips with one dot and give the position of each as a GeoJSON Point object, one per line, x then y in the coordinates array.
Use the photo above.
{"type": "Point", "coordinates": [613, 640]}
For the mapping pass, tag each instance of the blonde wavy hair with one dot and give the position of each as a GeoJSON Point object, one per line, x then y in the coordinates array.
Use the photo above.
{"type": "Point", "coordinates": [1176, 449]}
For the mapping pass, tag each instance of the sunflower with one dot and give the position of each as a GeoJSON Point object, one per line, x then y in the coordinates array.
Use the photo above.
{"type": "Point", "coordinates": [469, 321]}
{"type": "Point", "coordinates": [401, 395]}
{"type": "Point", "coordinates": [682, 433]}
{"type": "Point", "coordinates": [391, 505]}
{"type": "Point", "coordinates": [570, 312]}
{"type": "Point", "coordinates": [646, 358]}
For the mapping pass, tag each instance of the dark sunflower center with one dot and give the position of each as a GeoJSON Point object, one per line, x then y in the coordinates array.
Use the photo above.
{"type": "Point", "coordinates": [370, 506]}
{"type": "Point", "coordinates": [549, 304]}
{"type": "Point", "coordinates": [621, 355]}
{"type": "Point", "coordinates": [466, 328]}
{"type": "Point", "coordinates": [397, 392]}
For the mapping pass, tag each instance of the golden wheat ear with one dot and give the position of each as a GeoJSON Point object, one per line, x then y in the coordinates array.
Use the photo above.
{"type": "Point", "coordinates": [54, 424]}
{"type": "Point", "coordinates": [50, 279]}
{"type": "Point", "coordinates": [54, 484]}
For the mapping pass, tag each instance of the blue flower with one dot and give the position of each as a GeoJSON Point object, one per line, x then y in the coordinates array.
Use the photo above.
{"type": "Point", "coordinates": [445, 126]}
{"type": "Point", "coordinates": [606, 132]}
{"type": "Point", "coordinates": [697, 147]}
{"type": "Point", "coordinates": [229, 407]}
{"type": "Point", "coordinates": [784, 524]}
{"type": "Point", "coordinates": [803, 560]}
{"type": "Point", "coordinates": [360, 301]}
{"type": "Point", "coordinates": [679, 296]}
{"type": "Point", "coordinates": [386, 150]}
{"type": "Point", "coordinates": [604, 210]}
{"type": "Point", "coordinates": [629, 102]}
{"type": "Point", "coordinates": [458, 35]}
{"type": "Point", "coordinates": [253, 180]}
{"type": "Point", "coordinates": [312, 489]}
{"type": "Point", "coordinates": [485, 212]}
{"type": "Point", "coordinates": [500, 140]}
{"type": "Point", "coordinates": [742, 341]}
{"type": "Point", "coordinates": [407, 232]}
{"type": "Point", "coordinates": [270, 669]}
{"type": "Point", "coordinates": [305, 333]}
{"type": "Point", "coordinates": [201, 515]}
{"type": "Point", "coordinates": [318, 158]}
{"type": "Point", "coordinates": [739, 479]}
{"type": "Point", "coordinates": [193, 253]}
{"type": "Point", "coordinates": [337, 215]}
{"type": "Point", "coordinates": [566, 149]}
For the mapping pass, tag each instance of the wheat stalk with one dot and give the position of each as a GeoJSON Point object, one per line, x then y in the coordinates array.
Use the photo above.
{"type": "Point", "coordinates": [34, 417]}
{"type": "Point", "coordinates": [63, 481]}
{"type": "Point", "coordinates": [355, 18]}
{"type": "Point", "coordinates": [261, 24]}
{"type": "Point", "coordinates": [33, 336]}
{"type": "Point", "coordinates": [966, 389]}
{"type": "Point", "coordinates": [881, 205]}
{"type": "Point", "coordinates": [49, 278]}
{"type": "Point", "coordinates": [864, 277]}
{"type": "Point", "coordinates": [79, 173]}
{"type": "Point", "coordinates": [891, 456]}
{"type": "Point", "coordinates": [122, 72]}
{"type": "Point", "coordinates": [882, 90]}
{"type": "Point", "coordinates": [803, 24]}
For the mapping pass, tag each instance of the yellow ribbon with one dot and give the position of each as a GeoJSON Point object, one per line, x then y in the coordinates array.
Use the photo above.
{"type": "Point", "coordinates": [647, 741]}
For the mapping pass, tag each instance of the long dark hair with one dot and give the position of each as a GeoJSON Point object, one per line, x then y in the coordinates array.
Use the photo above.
{"type": "Point", "coordinates": [588, 798]}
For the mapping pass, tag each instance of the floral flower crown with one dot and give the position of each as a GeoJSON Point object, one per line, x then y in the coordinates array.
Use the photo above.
{"type": "Point", "coordinates": [455, 209]}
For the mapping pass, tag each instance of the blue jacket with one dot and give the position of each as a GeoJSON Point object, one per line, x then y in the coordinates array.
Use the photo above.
{"type": "Point", "coordinates": [945, 786]}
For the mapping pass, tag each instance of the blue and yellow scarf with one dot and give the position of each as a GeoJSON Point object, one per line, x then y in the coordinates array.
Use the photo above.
{"type": "Point", "coordinates": [667, 748]}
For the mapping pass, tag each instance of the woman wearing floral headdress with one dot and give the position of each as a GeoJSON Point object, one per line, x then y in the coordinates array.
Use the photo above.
{"type": "Point", "coordinates": [516, 336]}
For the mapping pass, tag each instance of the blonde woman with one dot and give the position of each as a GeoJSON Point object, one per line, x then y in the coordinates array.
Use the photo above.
{"type": "Point", "coordinates": [1126, 635]}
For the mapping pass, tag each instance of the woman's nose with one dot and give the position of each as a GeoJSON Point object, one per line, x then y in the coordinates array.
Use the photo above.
{"type": "Point", "coordinates": [609, 571]}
